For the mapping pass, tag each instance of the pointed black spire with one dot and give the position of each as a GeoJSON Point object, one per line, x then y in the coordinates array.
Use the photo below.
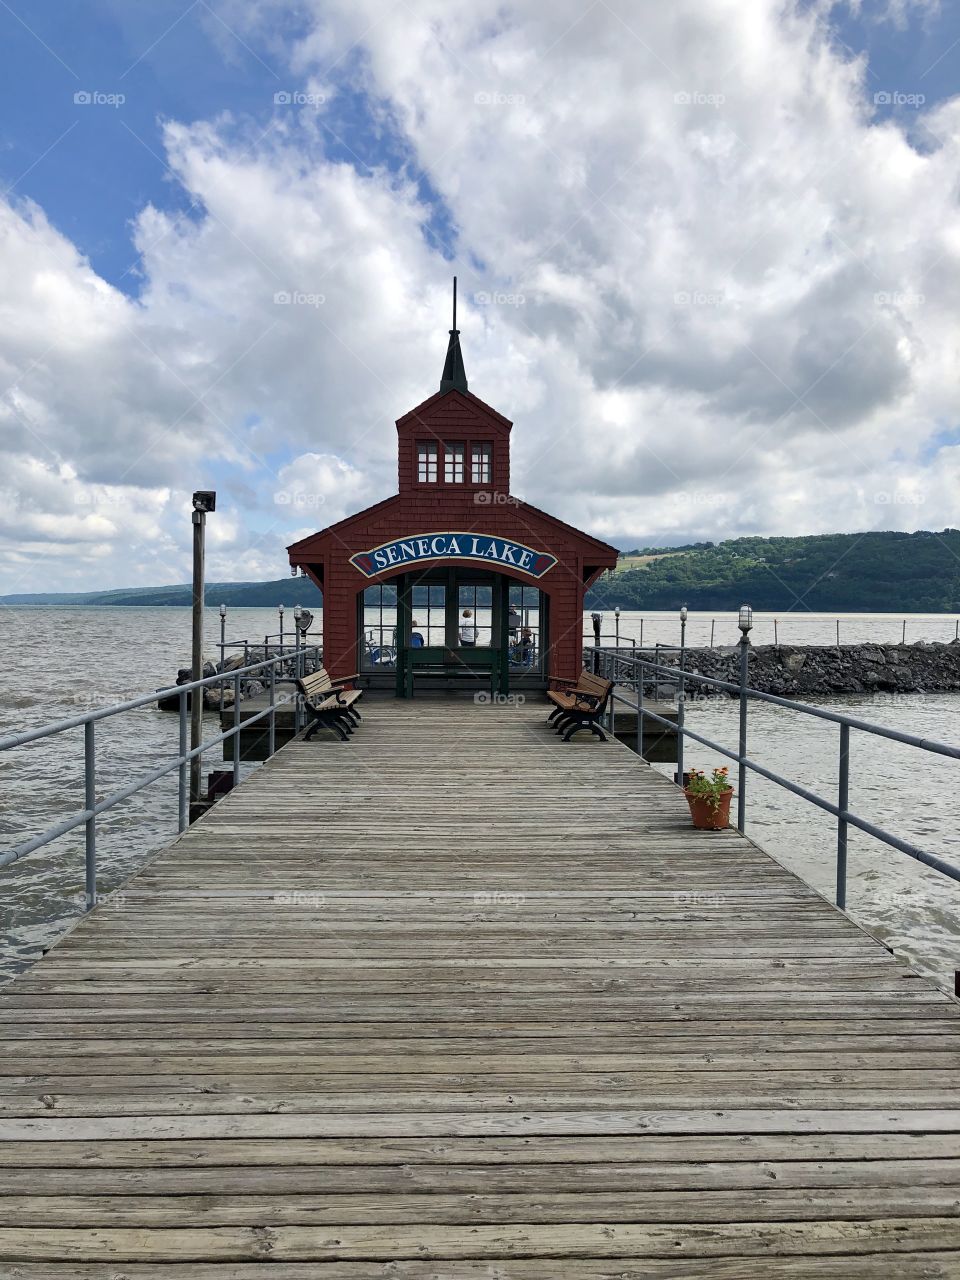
{"type": "Point", "coordinates": [454, 375]}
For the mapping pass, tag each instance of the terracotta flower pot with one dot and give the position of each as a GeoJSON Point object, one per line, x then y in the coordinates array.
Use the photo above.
{"type": "Point", "coordinates": [706, 816]}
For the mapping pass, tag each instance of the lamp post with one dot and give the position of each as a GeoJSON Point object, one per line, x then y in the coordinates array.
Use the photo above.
{"type": "Point", "coordinates": [680, 693]}
{"type": "Point", "coordinates": [204, 501]}
{"type": "Point", "coordinates": [223, 634]}
{"type": "Point", "coordinates": [296, 665]}
{"type": "Point", "coordinates": [745, 623]}
{"type": "Point", "coordinates": [597, 620]}
{"type": "Point", "coordinates": [616, 618]}
{"type": "Point", "coordinates": [280, 611]}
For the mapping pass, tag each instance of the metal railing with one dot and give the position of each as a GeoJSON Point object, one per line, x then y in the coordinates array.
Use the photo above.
{"type": "Point", "coordinates": [605, 663]}
{"type": "Point", "coordinates": [93, 808]}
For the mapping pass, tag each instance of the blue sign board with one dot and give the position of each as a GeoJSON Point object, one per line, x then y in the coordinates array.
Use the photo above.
{"type": "Point", "coordinates": [491, 550]}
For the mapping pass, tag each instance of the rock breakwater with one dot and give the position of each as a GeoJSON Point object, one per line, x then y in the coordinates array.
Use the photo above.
{"type": "Point", "coordinates": [795, 670]}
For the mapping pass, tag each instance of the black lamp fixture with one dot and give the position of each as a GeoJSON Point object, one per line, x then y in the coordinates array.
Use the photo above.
{"type": "Point", "coordinates": [205, 500]}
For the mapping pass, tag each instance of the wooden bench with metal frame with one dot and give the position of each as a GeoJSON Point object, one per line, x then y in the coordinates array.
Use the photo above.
{"type": "Point", "coordinates": [331, 704]}
{"type": "Point", "coordinates": [579, 706]}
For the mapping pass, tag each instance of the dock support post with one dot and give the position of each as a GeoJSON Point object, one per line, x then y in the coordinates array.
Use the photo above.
{"type": "Point", "coordinates": [236, 730]}
{"type": "Point", "coordinates": [843, 799]}
{"type": "Point", "coordinates": [183, 803]}
{"type": "Point", "coordinates": [89, 802]}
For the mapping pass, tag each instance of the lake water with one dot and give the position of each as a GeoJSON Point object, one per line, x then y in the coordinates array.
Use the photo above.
{"type": "Point", "coordinates": [63, 661]}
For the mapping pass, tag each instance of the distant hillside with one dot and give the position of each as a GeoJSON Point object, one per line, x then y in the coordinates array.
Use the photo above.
{"type": "Point", "coordinates": [867, 572]}
{"type": "Point", "coordinates": [285, 591]}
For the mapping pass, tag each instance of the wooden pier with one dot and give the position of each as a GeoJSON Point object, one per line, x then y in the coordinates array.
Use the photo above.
{"type": "Point", "coordinates": [457, 1000]}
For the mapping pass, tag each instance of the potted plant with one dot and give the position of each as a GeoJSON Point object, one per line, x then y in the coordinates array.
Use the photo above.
{"type": "Point", "coordinates": [709, 798]}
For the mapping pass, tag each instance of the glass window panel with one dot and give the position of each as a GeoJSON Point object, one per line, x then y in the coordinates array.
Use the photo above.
{"type": "Point", "coordinates": [480, 463]}
{"type": "Point", "coordinates": [453, 463]}
{"type": "Point", "coordinates": [378, 650]}
{"type": "Point", "coordinates": [427, 463]}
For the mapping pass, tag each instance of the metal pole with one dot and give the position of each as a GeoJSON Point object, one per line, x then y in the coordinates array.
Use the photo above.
{"type": "Point", "coordinates": [272, 743]}
{"type": "Point", "coordinates": [196, 667]}
{"type": "Point", "coordinates": [296, 668]}
{"type": "Point", "coordinates": [280, 610]}
{"type": "Point", "coordinates": [843, 798]}
{"type": "Point", "coordinates": [89, 801]}
{"type": "Point", "coordinates": [681, 698]}
{"type": "Point", "coordinates": [713, 623]}
{"type": "Point", "coordinates": [742, 752]}
{"type": "Point", "coordinates": [838, 635]}
{"type": "Point", "coordinates": [223, 634]}
{"type": "Point", "coordinates": [776, 636]}
{"type": "Point", "coordinates": [640, 712]}
{"type": "Point", "coordinates": [641, 633]}
{"type": "Point", "coordinates": [903, 637]}
{"type": "Point", "coordinates": [183, 803]}
{"type": "Point", "coordinates": [236, 726]}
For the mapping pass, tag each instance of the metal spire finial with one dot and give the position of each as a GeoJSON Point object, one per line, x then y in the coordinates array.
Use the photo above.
{"type": "Point", "coordinates": [454, 375]}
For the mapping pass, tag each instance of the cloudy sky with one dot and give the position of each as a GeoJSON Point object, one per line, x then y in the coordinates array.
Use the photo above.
{"type": "Point", "coordinates": [708, 251]}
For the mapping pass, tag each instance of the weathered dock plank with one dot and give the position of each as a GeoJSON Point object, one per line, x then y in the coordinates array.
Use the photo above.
{"type": "Point", "coordinates": [455, 999]}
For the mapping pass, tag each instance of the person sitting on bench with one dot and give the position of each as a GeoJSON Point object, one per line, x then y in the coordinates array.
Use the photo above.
{"type": "Point", "coordinates": [416, 638]}
{"type": "Point", "coordinates": [468, 632]}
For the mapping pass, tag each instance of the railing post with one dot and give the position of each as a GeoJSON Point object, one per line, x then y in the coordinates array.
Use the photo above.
{"type": "Point", "coordinates": [843, 801]}
{"type": "Point", "coordinates": [640, 710]}
{"type": "Point", "coordinates": [272, 721]}
{"type": "Point", "coordinates": [681, 698]}
{"type": "Point", "coordinates": [742, 749]}
{"type": "Point", "coordinates": [183, 798]}
{"type": "Point", "coordinates": [89, 803]}
{"type": "Point", "coordinates": [236, 730]}
{"type": "Point", "coordinates": [297, 675]}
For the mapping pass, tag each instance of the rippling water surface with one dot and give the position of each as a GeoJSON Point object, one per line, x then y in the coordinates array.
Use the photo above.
{"type": "Point", "coordinates": [64, 661]}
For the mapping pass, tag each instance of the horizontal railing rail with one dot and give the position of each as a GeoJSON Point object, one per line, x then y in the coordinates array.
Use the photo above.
{"type": "Point", "coordinates": [86, 817]}
{"type": "Point", "coordinates": [609, 663]}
